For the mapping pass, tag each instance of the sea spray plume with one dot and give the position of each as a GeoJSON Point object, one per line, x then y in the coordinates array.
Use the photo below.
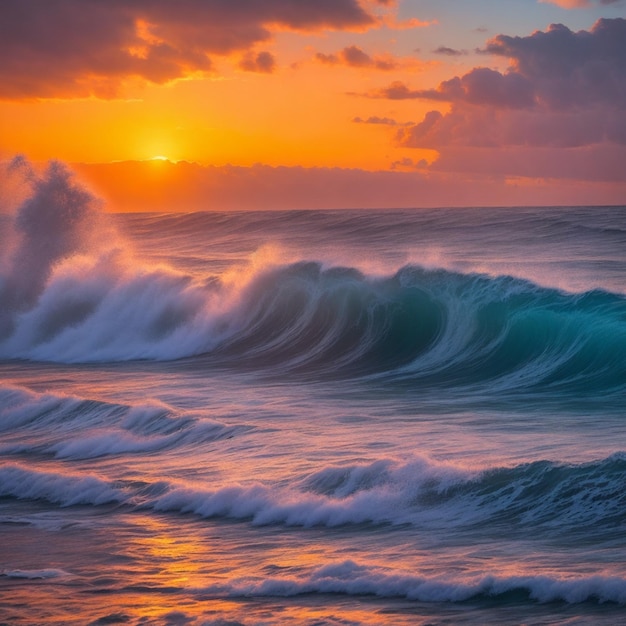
{"type": "Point", "coordinates": [71, 289]}
{"type": "Point", "coordinates": [71, 292]}
{"type": "Point", "coordinates": [58, 219]}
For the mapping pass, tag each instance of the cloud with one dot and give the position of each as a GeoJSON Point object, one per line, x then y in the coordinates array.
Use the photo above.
{"type": "Point", "coordinates": [482, 127]}
{"type": "Point", "coordinates": [188, 186]}
{"type": "Point", "coordinates": [579, 4]}
{"type": "Point", "coordinates": [569, 68]}
{"type": "Point", "coordinates": [397, 90]}
{"type": "Point", "coordinates": [564, 91]}
{"type": "Point", "coordinates": [78, 48]}
{"type": "Point", "coordinates": [484, 86]}
{"type": "Point", "coordinates": [409, 164]}
{"type": "Point", "coordinates": [393, 23]}
{"type": "Point", "coordinates": [451, 52]}
{"type": "Point", "coordinates": [263, 62]}
{"type": "Point", "coordinates": [385, 121]}
{"type": "Point", "coordinates": [599, 163]}
{"type": "Point", "coordinates": [353, 56]}
{"type": "Point", "coordinates": [558, 69]}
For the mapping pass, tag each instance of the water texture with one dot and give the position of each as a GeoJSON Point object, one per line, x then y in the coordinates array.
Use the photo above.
{"type": "Point", "coordinates": [311, 417]}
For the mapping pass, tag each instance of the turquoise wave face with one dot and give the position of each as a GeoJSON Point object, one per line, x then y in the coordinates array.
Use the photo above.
{"type": "Point", "coordinates": [429, 328]}
{"type": "Point", "coordinates": [423, 329]}
{"type": "Point", "coordinates": [71, 290]}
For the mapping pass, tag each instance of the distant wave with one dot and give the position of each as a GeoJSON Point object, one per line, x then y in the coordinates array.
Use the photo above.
{"type": "Point", "coordinates": [427, 494]}
{"type": "Point", "coordinates": [71, 291]}
{"type": "Point", "coordinates": [353, 579]}
{"type": "Point", "coordinates": [34, 573]}
{"type": "Point", "coordinates": [546, 496]}
{"type": "Point", "coordinates": [68, 427]}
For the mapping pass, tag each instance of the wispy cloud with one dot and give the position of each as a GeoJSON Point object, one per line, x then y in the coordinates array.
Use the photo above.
{"type": "Point", "coordinates": [580, 4]}
{"type": "Point", "coordinates": [381, 121]}
{"type": "Point", "coordinates": [450, 52]}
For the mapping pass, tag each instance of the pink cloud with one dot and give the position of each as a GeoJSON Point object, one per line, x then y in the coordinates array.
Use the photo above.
{"type": "Point", "coordinates": [578, 4]}
{"type": "Point", "coordinates": [77, 48]}
{"type": "Point", "coordinates": [188, 186]}
{"type": "Point", "coordinates": [599, 164]}
{"type": "Point", "coordinates": [564, 92]}
{"type": "Point", "coordinates": [479, 126]}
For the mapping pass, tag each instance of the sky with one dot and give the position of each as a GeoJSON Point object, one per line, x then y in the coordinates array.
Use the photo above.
{"type": "Point", "coordinates": [260, 104]}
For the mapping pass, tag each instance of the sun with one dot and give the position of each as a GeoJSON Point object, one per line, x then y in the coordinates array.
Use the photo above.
{"type": "Point", "coordinates": [159, 157]}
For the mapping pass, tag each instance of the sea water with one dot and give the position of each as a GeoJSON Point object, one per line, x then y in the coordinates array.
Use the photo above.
{"type": "Point", "coordinates": [310, 417]}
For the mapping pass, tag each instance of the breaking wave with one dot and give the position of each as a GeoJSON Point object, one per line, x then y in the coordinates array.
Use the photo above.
{"type": "Point", "coordinates": [71, 291]}
{"type": "Point", "coordinates": [547, 496]}
{"type": "Point", "coordinates": [353, 579]}
{"type": "Point", "coordinates": [72, 428]}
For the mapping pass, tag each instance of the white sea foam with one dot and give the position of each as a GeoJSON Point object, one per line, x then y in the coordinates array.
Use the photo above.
{"type": "Point", "coordinates": [423, 493]}
{"type": "Point", "coordinates": [71, 290]}
{"type": "Point", "coordinates": [84, 429]}
{"type": "Point", "coordinates": [63, 489]}
{"type": "Point", "coordinates": [420, 492]}
{"type": "Point", "coordinates": [33, 574]}
{"type": "Point", "coordinates": [350, 578]}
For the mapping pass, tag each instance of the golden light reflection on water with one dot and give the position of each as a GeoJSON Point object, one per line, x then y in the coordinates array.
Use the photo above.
{"type": "Point", "coordinates": [164, 569]}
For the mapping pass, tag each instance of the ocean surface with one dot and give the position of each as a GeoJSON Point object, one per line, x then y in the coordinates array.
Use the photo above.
{"type": "Point", "coordinates": [310, 417]}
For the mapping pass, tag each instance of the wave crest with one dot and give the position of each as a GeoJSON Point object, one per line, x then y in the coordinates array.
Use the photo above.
{"type": "Point", "coordinates": [353, 579]}
{"type": "Point", "coordinates": [549, 497]}
{"type": "Point", "coordinates": [71, 291]}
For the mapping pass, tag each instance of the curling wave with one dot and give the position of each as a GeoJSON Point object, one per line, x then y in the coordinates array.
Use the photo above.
{"type": "Point", "coordinates": [71, 291]}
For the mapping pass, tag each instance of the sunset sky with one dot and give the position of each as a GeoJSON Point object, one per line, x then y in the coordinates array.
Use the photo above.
{"type": "Point", "coordinates": [239, 104]}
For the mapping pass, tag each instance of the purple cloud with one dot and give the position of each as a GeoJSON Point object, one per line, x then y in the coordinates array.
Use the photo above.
{"type": "Point", "coordinates": [564, 92]}
{"type": "Point", "coordinates": [353, 56]}
{"type": "Point", "coordinates": [397, 90]}
{"type": "Point", "coordinates": [77, 48]}
{"type": "Point", "coordinates": [451, 52]}
{"type": "Point", "coordinates": [571, 68]}
{"type": "Point", "coordinates": [380, 121]}
{"type": "Point", "coordinates": [263, 62]}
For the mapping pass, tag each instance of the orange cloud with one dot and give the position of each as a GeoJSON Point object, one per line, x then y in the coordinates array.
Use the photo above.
{"type": "Point", "coordinates": [78, 48]}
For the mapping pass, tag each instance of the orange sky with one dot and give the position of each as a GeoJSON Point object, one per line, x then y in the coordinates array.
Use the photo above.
{"type": "Point", "coordinates": [407, 103]}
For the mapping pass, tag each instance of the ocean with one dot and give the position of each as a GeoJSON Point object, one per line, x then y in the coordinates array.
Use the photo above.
{"type": "Point", "coordinates": [310, 417]}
